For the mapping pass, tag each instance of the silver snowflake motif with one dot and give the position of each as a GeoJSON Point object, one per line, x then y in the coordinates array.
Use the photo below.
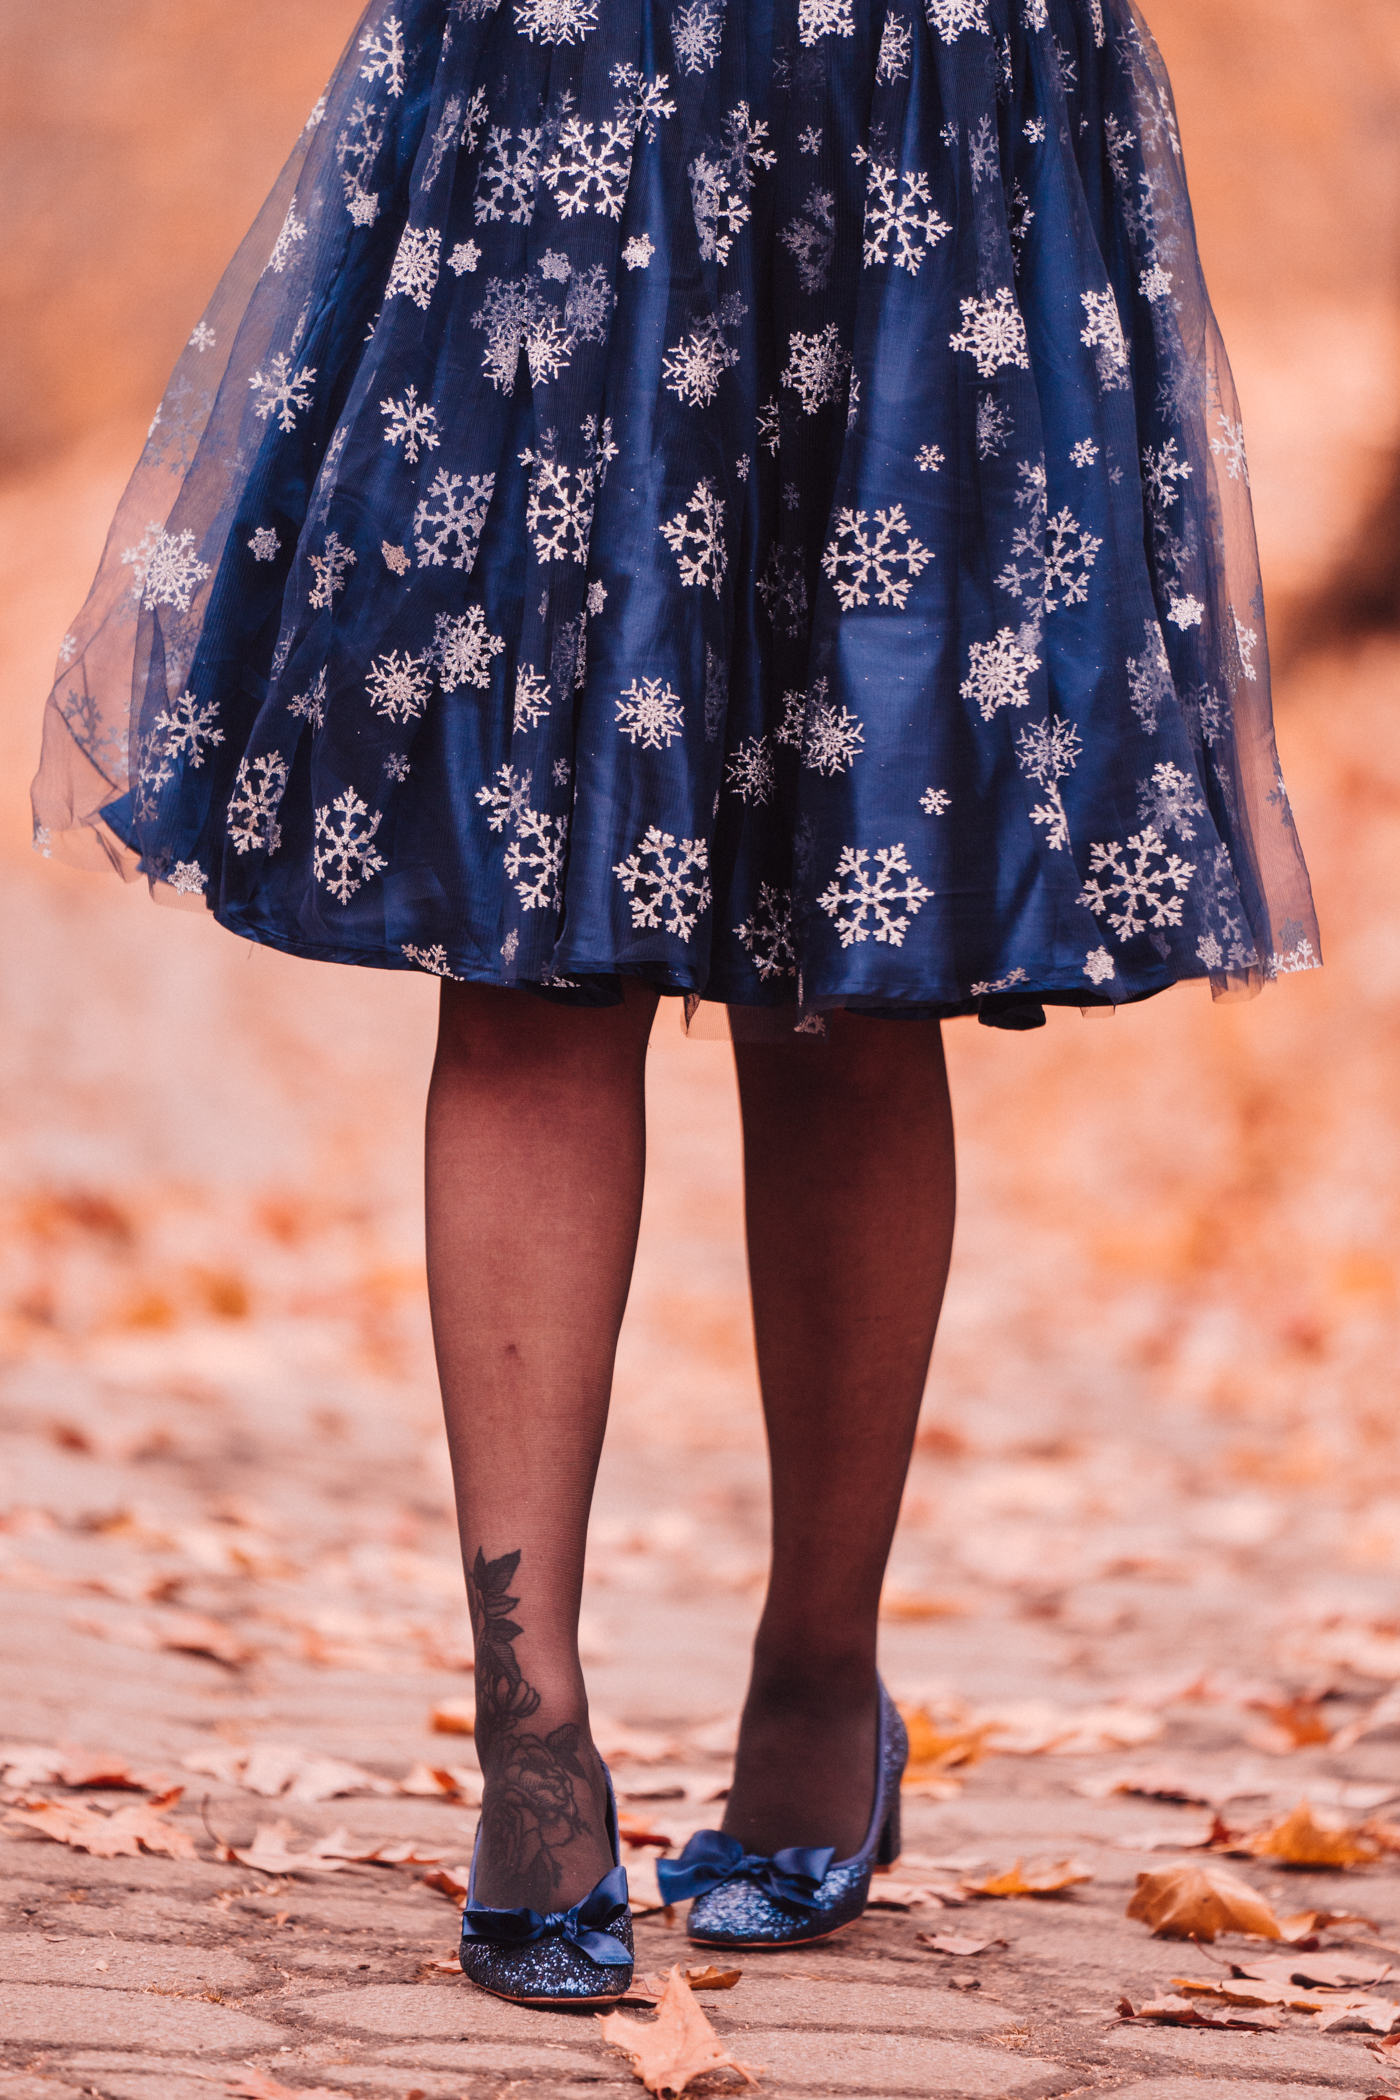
{"type": "Point", "coordinates": [433, 959]}
{"type": "Point", "coordinates": [1084, 453]}
{"type": "Point", "coordinates": [1057, 551]}
{"type": "Point", "coordinates": [767, 934]}
{"type": "Point", "coordinates": [1103, 334]}
{"type": "Point", "coordinates": [638, 251]}
{"type": "Point", "coordinates": [1047, 751]}
{"type": "Point", "coordinates": [1155, 284]}
{"type": "Point", "coordinates": [1161, 470]}
{"type": "Point", "coordinates": [811, 238]}
{"type": "Point", "coordinates": [1168, 801]}
{"type": "Point", "coordinates": [930, 458]}
{"type": "Point", "coordinates": [649, 714]}
{"type": "Point", "coordinates": [324, 492]}
{"type": "Point", "coordinates": [310, 706]}
{"type": "Point", "coordinates": [935, 802]}
{"type": "Point", "coordinates": [166, 568]}
{"type": "Point", "coordinates": [1018, 224]}
{"type": "Point", "coordinates": [185, 727]}
{"type": "Point", "coordinates": [509, 175]}
{"type": "Point", "coordinates": [357, 149]}
{"type": "Point", "coordinates": [464, 258]}
{"type": "Point", "coordinates": [293, 230]}
{"type": "Point", "coordinates": [505, 799]}
{"type": "Point", "coordinates": [790, 727]}
{"type": "Point", "coordinates": [557, 21]}
{"type": "Point", "coordinates": [330, 566]}
{"type": "Point", "coordinates": [953, 18]}
{"type": "Point", "coordinates": [445, 136]}
{"type": "Point", "coordinates": [588, 304]}
{"type": "Point", "coordinates": [1230, 448]}
{"type": "Point", "coordinates": [396, 558]}
{"type": "Point", "coordinates": [556, 268]}
{"type": "Point", "coordinates": [999, 673]}
{"type": "Point", "coordinates": [1294, 952]}
{"type": "Point", "coordinates": [188, 878]}
{"type": "Point", "coordinates": [449, 520]}
{"type": "Point", "coordinates": [384, 55]}
{"type": "Point", "coordinates": [832, 737]}
{"type": "Point", "coordinates": [768, 426]}
{"type": "Point", "coordinates": [1098, 965]}
{"type": "Point", "coordinates": [1148, 894]}
{"type": "Point", "coordinates": [411, 423]}
{"type": "Point", "coordinates": [462, 648]}
{"type": "Point", "coordinates": [282, 390]}
{"type": "Point", "coordinates": [896, 49]}
{"type": "Point", "coordinates": [588, 176]}
{"type": "Point", "coordinates": [819, 18]}
{"type": "Point", "coordinates": [258, 789]}
{"type": "Point", "coordinates": [531, 698]}
{"type": "Point", "coordinates": [998, 984]}
{"type": "Point", "coordinates": [597, 597]}
{"type": "Point", "coordinates": [416, 263]}
{"type": "Point", "coordinates": [694, 367]}
{"type": "Point", "coordinates": [264, 544]}
{"type": "Point", "coordinates": [994, 426]}
{"type": "Point", "coordinates": [810, 140]}
{"type": "Point", "coordinates": [561, 772]}
{"type": "Point", "coordinates": [559, 506]}
{"type": "Point", "coordinates": [203, 338]}
{"type": "Point", "coordinates": [719, 184]}
{"type": "Point", "coordinates": [993, 333]}
{"type": "Point", "coordinates": [666, 881]}
{"type": "Point", "coordinates": [983, 154]}
{"type": "Point", "coordinates": [516, 316]}
{"type": "Point", "coordinates": [396, 767]}
{"type": "Point", "coordinates": [1246, 642]}
{"type": "Point", "coordinates": [696, 29]}
{"type": "Point", "coordinates": [1034, 130]}
{"type": "Point", "coordinates": [346, 858]}
{"type": "Point", "coordinates": [400, 686]}
{"type": "Point", "coordinates": [1206, 713]}
{"type": "Point", "coordinates": [783, 589]}
{"type": "Point", "coordinates": [816, 368]}
{"type": "Point", "coordinates": [1186, 612]}
{"type": "Point", "coordinates": [1150, 686]}
{"type": "Point", "coordinates": [534, 859]}
{"type": "Point", "coordinates": [862, 903]}
{"type": "Point", "coordinates": [695, 535]}
{"type": "Point", "coordinates": [898, 208]}
{"type": "Point", "coordinates": [750, 771]}
{"type": "Point", "coordinates": [885, 559]}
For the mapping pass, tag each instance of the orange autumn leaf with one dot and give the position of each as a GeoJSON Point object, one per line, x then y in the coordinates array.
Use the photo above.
{"type": "Point", "coordinates": [448, 1881]}
{"type": "Point", "coordinates": [454, 1717]}
{"type": "Point", "coordinates": [678, 2045]}
{"type": "Point", "coordinates": [1301, 1841]}
{"type": "Point", "coordinates": [1040, 1878]}
{"type": "Point", "coordinates": [1186, 1903]}
{"type": "Point", "coordinates": [1181, 2012]}
{"type": "Point", "coordinates": [252, 2084]}
{"type": "Point", "coordinates": [180, 1632]}
{"type": "Point", "coordinates": [650, 1990]}
{"type": "Point", "coordinates": [934, 1749]}
{"type": "Point", "coordinates": [1297, 1723]}
{"type": "Point", "coordinates": [123, 1835]}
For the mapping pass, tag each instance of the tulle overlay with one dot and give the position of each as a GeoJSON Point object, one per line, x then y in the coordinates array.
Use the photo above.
{"type": "Point", "coordinates": [750, 496]}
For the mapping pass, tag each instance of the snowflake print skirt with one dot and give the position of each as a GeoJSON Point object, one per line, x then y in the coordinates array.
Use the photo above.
{"type": "Point", "coordinates": [747, 494]}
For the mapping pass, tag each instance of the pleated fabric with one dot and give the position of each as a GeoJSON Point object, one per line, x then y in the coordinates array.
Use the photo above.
{"type": "Point", "coordinates": [743, 493]}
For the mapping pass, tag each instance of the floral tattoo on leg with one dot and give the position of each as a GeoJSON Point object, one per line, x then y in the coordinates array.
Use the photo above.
{"type": "Point", "coordinates": [531, 1809]}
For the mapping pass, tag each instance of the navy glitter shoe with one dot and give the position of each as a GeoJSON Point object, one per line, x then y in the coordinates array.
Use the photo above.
{"type": "Point", "coordinates": [745, 1899]}
{"type": "Point", "coordinates": [577, 1957]}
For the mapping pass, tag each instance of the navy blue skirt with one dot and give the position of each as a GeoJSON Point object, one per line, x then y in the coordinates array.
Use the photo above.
{"type": "Point", "coordinates": [747, 494]}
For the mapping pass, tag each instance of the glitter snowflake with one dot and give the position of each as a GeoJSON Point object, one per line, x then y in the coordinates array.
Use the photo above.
{"type": "Point", "coordinates": [1057, 552]}
{"type": "Point", "coordinates": [898, 208]}
{"type": "Point", "coordinates": [810, 140]}
{"type": "Point", "coordinates": [531, 698]}
{"type": "Point", "coordinates": [1150, 686]}
{"type": "Point", "coordinates": [557, 21]}
{"type": "Point", "coordinates": [433, 959]}
{"type": "Point", "coordinates": [1084, 453]}
{"type": "Point", "coordinates": [862, 903]}
{"type": "Point", "coordinates": [817, 367]}
{"type": "Point", "coordinates": [188, 878]}
{"type": "Point", "coordinates": [589, 303]}
{"type": "Point", "coordinates": [401, 686]}
{"type": "Point", "coordinates": [696, 29]}
{"type": "Point", "coordinates": [983, 154]}
{"type": "Point", "coordinates": [811, 239]}
{"type": "Point", "coordinates": [819, 18]}
{"type": "Point", "coordinates": [396, 558]}
{"type": "Point", "coordinates": [505, 798]}
{"type": "Point", "coordinates": [558, 507]}
{"type": "Point", "coordinates": [443, 139]}
{"type": "Point", "coordinates": [282, 390]}
{"type": "Point", "coordinates": [396, 767]}
{"type": "Point", "coordinates": [767, 934]}
{"type": "Point", "coordinates": [258, 789]}
{"type": "Point", "coordinates": [1034, 130]}
{"type": "Point", "coordinates": [166, 568]}
{"type": "Point", "coordinates": [720, 182]}
{"type": "Point", "coordinates": [516, 316]}
{"type": "Point", "coordinates": [534, 859]}
{"type": "Point", "coordinates": [1155, 284]}
{"type": "Point", "coordinates": [185, 727]}
{"type": "Point", "coordinates": [264, 544]}
{"type": "Point", "coordinates": [994, 426]}
{"type": "Point", "coordinates": [1246, 642]}
{"type": "Point", "coordinates": [649, 713]}
{"type": "Point", "coordinates": [345, 857]}
{"type": "Point", "coordinates": [638, 251]}
{"type": "Point", "coordinates": [999, 673]}
{"type": "Point", "coordinates": [462, 648]}
{"type": "Point", "coordinates": [1161, 470]}
{"type": "Point", "coordinates": [695, 535]}
{"type": "Point", "coordinates": [783, 589]}
{"type": "Point", "coordinates": [1098, 965]}
{"type": "Point", "coordinates": [509, 175]}
{"type": "Point", "coordinates": [750, 771]}
{"type": "Point", "coordinates": [1103, 334]}
{"type": "Point", "coordinates": [1144, 880]}
{"type": "Point", "coordinates": [896, 49]}
{"type": "Point", "coordinates": [384, 55]}
{"type": "Point", "coordinates": [993, 333]}
{"type": "Point", "coordinates": [293, 230]}
{"type": "Point", "coordinates": [998, 984]}
{"type": "Point", "coordinates": [450, 519]}
{"type": "Point", "coordinates": [584, 175]}
{"type": "Point", "coordinates": [310, 706]}
{"type": "Point", "coordinates": [1230, 448]}
{"type": "Point", "coordinates": [953, 18]}
{"type": "Point", "coordinates": [930, 458]}
{"type": "Point", "coordinates": [666, 881]}
{"type": "Point", "coordinates": [935, 802]}
{"type": "Point", "coordinates": [411, 423]}
{"type": "Point", "coordinates": [1047, 751]}
{"type": "Point", "coordinates": [693, 367]}
{"type": "Point", "coordinates": [203, 338]}
{"type": "Point", "coordinates": [356, 149]}
{"type": "Point", "coordinates": [330, 566]}
{"type": "Point", "coordinates": [416, 263]}
{"type": "Point", "coordinates": [832, 737]}
{"type": "Point", "coordinates": [1186, 612]}
{"type": "Point", "coordinates": [1169, 800]}
{"type": "Point", "coordinates": [464, 258]}
{"type": "Point", "coordinates": [885, 558]}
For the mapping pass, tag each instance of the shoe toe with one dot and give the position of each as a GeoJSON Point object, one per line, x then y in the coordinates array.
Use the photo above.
{"type": "Point", "coordinates": [739, 1914]}
{"type": "Point", "coordinates": [547, 1971]}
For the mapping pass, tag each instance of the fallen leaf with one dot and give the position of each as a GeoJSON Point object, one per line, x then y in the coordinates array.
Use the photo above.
{"type": "Point", "coordinates": [447, 1964]}
{"type": "Point", "coordinates": [252, 2084]}
{"type": "Point", "coordinates": [1168, 1837]}
{"type": "Point", "coordinates": [1242, 1991]}
{"type": "Point", "coordinates": [1040, 1878]}
{"type": "Point", "coordinates": [617, 1743]}
{"type": "Point", "coordinates": [1385, 1713]}
{"type": "Point", "coordinates": [650, 1990]}
{"type": "Point", "coordinates": [1180, 2012]}
{"type": "Point", "coordinates": [1302, 1924]}
{"type": "Point", "coordinates": [947, 1943]}
{"type": "Point", "coordinates": [1379, 2014]}
{"type": "Point", "coordinates": [444, 1782]}
{"type": "Point", "coordinates": [1189, 1902]}
{"type": "Point", "coordinates": [678, 2045]}
{"type": "Point", "coordinates": [453, 1717]}
{"type": "Point", "coordinates": [936, 1749]}
{"type": "Point", "coordinates": [638, 1831]}
{"type": "Point", "coordinates": [271, 1853]}
{"type": "Point", "coordinates": [127, 1832]}
{"type": "Point", "coordinates": [448, 1881]}
{"type": "Point", "coordinates": [181, 1632]}
{"type": "Point", "coordinates": [281, 1770]}
{"type": "Point", "coordinates": [897, 1603]}
{"type": "Point", "coordinates": [1168, 1783]}
{"type": "Point", "coordinates": [1295, 1724]}
{"type": "Point", "coordinates": [1038, 1727]}
{"type": "Point", "coordinates": [1333, 1971]}
{"type": "Point", "coordinates": [1301, 1841]}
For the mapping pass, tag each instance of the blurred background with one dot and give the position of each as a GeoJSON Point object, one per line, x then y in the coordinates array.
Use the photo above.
{"type": "Point", "coordinates": [1165, 1392]}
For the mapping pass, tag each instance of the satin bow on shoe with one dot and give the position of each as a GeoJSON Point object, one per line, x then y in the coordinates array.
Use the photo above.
{"type": "Point", "coordinates": [791, 1876]}
{"type": "Point", "coordinates": [584, 1927]}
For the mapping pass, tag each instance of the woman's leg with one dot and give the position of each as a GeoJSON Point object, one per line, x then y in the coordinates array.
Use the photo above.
{"type": "Point", "coordinates": [536, 1153]}
{"type": "Point", "coordinates": [848, 1161]}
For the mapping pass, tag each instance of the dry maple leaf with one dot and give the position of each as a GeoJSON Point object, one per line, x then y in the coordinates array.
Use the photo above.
{"type": "Point", "coordinates": [1303, 1924]}
{"type": "Point", "coordinates": [444, 1782]}
{"type": "Point", "coordinates": [282, 1769]}
{"type": "Point", "coordinates": [453, 1717]}
{"type": "Point", "coordinates": [650, 1990]}
{"type": "Point", "coordinates": [1040, 1878]}
{"type": "Point", "coordinates": [638, 1831]}
{"type": "Point", "coordinates": [934, 1749]}
{"type": "Point", "coordinates": [129, 1831]}
{"type": "Point", "coordinates": [1296, 1724]}
{"type": "Point", "coordinates": [1180, 2012]}
{"type": "Point", "coordinates": [270, 1852]}
{"type": "Point", "coordinates": [449, 1881]}
{"type": "Point", "coordinates": [678, 2045]}
{"type": "Point", "coordinates": [950, 1943]}
{"type": "Point", "coordinates": [252, 2084]}
{"type": "Point", "coordinates": [1301, 1841]}
{"type": "Point", "coordinates": [181, 1632]}
{"type": "Point", "coordinates": [1197, 1903]}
